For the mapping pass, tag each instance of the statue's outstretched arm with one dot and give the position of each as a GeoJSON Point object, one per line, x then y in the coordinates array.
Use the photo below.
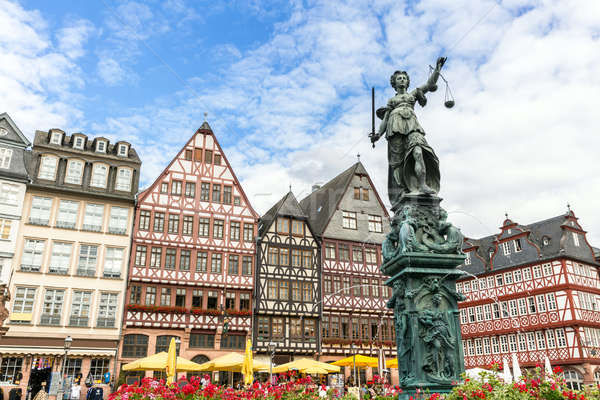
{"type": "Point", "coordinates": [431, 84]}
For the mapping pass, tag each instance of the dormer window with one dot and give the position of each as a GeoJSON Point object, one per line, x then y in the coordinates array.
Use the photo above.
{"type": "Point", "coordinates": [5, 156]}
{"type": "Point", "coordinates": [55, 137]}
{"type": "Point", "coordinates": [78, 143]}
{"type": "Point", "coordinates": [546, 240]}
{"type": "Point", "coordinates": [48, 168]}
{"type": "Point", "coordinates": [122, 150]}
{"type": "Point", "coordinates": [101, 146]}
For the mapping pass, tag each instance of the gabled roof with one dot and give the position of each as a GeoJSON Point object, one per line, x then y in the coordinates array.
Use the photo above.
{"type": "Point", "coordinates": [19, 135]}
{"type": "Point", "coordinates": [321, 204]}
{"type": "Point", "coordinates": [288, 206]}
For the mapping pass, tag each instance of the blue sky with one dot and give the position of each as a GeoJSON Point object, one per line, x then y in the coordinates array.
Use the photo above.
{"type": "Point", "coordinates": [286, 86]}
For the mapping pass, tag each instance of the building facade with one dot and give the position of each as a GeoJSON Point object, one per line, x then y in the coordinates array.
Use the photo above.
{"type": "Point", "coordinates": [350, 220]}
{"type": "Point", "coordinates": [191, 265]}
{"type": "Point", "coordinates": [287, 297]}
{"type": "Point", "coordinates": [13, 180]}
{"type": "Point", "coordinates": [533, 290]}
{"type": "Point", "coordinates": [70, 259]}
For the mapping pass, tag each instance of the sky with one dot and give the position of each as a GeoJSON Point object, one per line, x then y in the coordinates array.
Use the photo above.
{"type": "Point", "coordinates": [285, 86]}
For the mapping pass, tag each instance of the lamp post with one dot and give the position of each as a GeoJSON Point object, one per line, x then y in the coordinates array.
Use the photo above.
{"type": "Point", "coordinates": [271, 347]}
{"type": "Point", "coordinates": [67, 346]}
{"type": "Point", "coordinates": [177, 344]}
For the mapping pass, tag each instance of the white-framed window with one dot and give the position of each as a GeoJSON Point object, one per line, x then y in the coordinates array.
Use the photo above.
{"type": "Point", "coordinates": [88, 260]}
{"type": "Point", "coordinates": [522, 342]}
{"type": "Point", "coordinates": [518, 276]}
{"type": "Point", "coordinates": [40, 210]}
{"type": "Point", "coordinates": [48, 168]}
{"type": "Point", "coordinates": [107, 310]}
{"type": "Point", "coordinates": [74, 172]}
{"type": "Point", "coordinates": [575, 238]}
{"type": "Point", "coordinates": [522, 306]}
{"type": "Point", "coordinates": [68, 211]}
{"type": "Point", "coordinates": [61, 258]}
{"type": "Point", "coordinates": [99, 175]}
{"type": "Point", "coordinates": [541, 302]}
{"type": "Point", "coordinates": [573, 379]}
{"type": "Point", "coordinates": [541, 340]}
{"type": "Point", "coordinates": [32, 255]}
{"type": "Point", "coordinates": [468, 258]}
{"type": "Point", "coordinates": [479, 313]}
{"type": "Point", "coordinates": [5, 225]}
{"type": "Point", "coordinates": [508, 278]}
{"type": "Point", "coordinates": [487, 311]}
{"type": "Point", "coordinates": [512, 343]}
{"type": "Point", "coordinates": [375, 224]}
{"type": "Point", "coordinates": [505, 248]}
{"type": "Point", "coordinates": [537, 271]}
{"type": "Point", "coordinates": [80, 308]}
{"type": "Point", "coordinates": [52, 310]}
{"type": "Point", "coordinates": [24, 300]}
{"type": "Point", "coordinates": [8, 193]}
{"type": "Point", "coordinates": [526, 274]}
{"type": "Point", "coordinates": [123, 150]}
{"type": "Point", "coordinates": [561, 339]}
{"type": "Point", "coordinates": [118, 220]}
{"type": "Point", "coordinates": [349, 219]}
{"type": "Point", "coordinates": [512, 306]}
{"type": "Point", "coordinates": [78, 142]}
{"type": "Point", "coordinates": [503, 344]}
{"type": "Point", "coordinates": [531, 340]}
{"type": "Point", "coordinates": [478, 347]}
{"type": "Point", "coordinates": [551, 301]}
{"type": "Point", "coordinates": [5, 156]}
{"type": "Point", "coordinates": [517, 244]}
{"type": "Point", "coordinates": [550, 339]}
{"type": "Point", "coordinates": [101, 146]}
{"type": "Point", "coordinates": [495, 345]}
{"type": "Point", "coordinates": [55, 137]}
{"type": "Point", "coordinates": [123, 179]}
{"type": "Point", "coordinates": [113, 261]}
{"type": "Point", "coordinates": [547, 268]}
{"type": "Point", "coordinates": [94, 214]}
{"type": "Point", "coordinates": [486, 345]}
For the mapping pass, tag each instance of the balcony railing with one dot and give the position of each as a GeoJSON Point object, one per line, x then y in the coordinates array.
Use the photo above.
{"type": "Point", "coordinates": [65, 224]}
{"type": "Point", "coordinates": [30, 268]}
{"type": "Point", "coordinates": [78, 321]}
{"type": "Point", "coordinates": [86, 272]}
{"type": "Point", "coordinates": [50, 319]}
{"type": "Point", "coordinates": [105, 322]}
{"type": "Point", "coordinates": [38, 221]}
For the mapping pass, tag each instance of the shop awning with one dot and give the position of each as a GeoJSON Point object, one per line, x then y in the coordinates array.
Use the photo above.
{"type": "Point", "coordinates": [55, 351]}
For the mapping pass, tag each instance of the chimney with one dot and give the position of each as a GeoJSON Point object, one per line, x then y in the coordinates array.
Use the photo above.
{"type": "Point", "coordinates": [315, 187]}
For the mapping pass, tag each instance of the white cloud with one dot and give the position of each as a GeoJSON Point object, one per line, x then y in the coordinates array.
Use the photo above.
{"type": "Point", "coordinates": [110, 71]}
{"type": "Point", "coordinates": [73, 37]}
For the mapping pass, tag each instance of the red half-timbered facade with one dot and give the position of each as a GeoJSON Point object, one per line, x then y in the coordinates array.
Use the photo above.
{"type": "Point", "coordinates": [351, 221]}
{"type": "Point", "coordinates": [534, 290]}
{"type": "Point", "coordinates": [192, 258]}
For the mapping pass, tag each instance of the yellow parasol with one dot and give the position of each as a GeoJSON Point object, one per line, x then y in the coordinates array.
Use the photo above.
{"type": "Point", "coordinates": [303, 364]}
{"type": "Point", "coordinates": [171, 368]}
{"type": "Point", "coordinates": [392, 363]}
{"type": "Point", "coordinates": [231, 362]}
{"type": "Point", "coordinates": [247, 367]}
{"type": "Point", "coordinates": [358, 360]}
{"type": "Point", "coordinates": [158, 362]}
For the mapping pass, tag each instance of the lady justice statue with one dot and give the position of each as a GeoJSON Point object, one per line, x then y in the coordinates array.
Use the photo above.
{"type": "Point", "coordinates": [413, 165]}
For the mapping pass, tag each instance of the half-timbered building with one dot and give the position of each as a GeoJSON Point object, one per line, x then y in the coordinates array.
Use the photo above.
{"type": "Point", "coordinates": [533, 290]}
{"type": "Point", "coordinates": [287, 283]}
{"type": "Point", "coordinates": [349, 218]}
{"type": "Point", "coordinates": [191, 265]}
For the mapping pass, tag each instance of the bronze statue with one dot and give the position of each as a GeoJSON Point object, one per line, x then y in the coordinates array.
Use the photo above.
{"type": "Point", "coordinates": [438, 340]}
{"type": "Point", "coordinates": [413, 165]}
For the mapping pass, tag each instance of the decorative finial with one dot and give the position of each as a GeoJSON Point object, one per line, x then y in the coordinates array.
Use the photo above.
{"type": "Point", "coordinates": [568, 208]}
{"type": "Point", "coordinates": [205, 115]}
{"type": "Point", "coordinates": [290, 187]}
{"type": "Point", "coordinates": [506, 214]}
{"type": "Point", "coordinates": [358, 156]}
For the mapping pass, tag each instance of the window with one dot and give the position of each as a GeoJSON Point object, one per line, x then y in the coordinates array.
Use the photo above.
{"type": "Point", "coordinates": [248, 232]}
{"type": "Point", "coordinates": [176, 188]}
{"type": "Point", "coordinates": [53, 302]}
{"type": "Point", "coordinates": [573, 379]}
{"type": "Point", "coordinates": [212, 300]}
{"type": "Point", "coordinates": [357, 254]}
{"type": "Point", "coordinates": [356, 193]}
{"type": "Point", "coordinates": [349, 220]}
{"type": "Point", "coordinates": [277, 328]}
{"type": "Point", "coordinates": [80, 308]}
{"type": "Point", "coordinates": [296, 258]}
{"type": "Point", "coordinates": [487, 312]}
{"type": "Point", "coordinates": [309, 330]}
{"type": "Point", "coordinates": [263, 328]}
{"type": "Point", "coordinates": [188, 154]}
{"type": "Point", "coordinates": [468, 258]}
{"type": "Point", "coordinates": [92, 220]}
{"type": "Point", "coordinates": [244, 301]}
{"type": "Point", "coordinates": [190, 189]}
{"type": "Point", "coordinates": [202, 340]}
{"type": "Point", "coordinates": [344, 252]}
{"type": "Point", "coordinates": [61, 258]}
{"type": "Point", "coordinates": [499, 280]}
{"type": "Point", "coordinates": [185, 260]}
{"type": "Point", "coordinates": [88, 260]}
{"type": "Point", "coordinates": [296, 293]}
{"type": "Point", "coordinates": [518, 277]}
{"type": "Point", "coordinates": [272, 289]}
{"type": "Point", "coordinates": [216, 193]}
{"type": "Point", "coordinates": [505, 248]}
{"type": "Point", "coordinates": [74, 172]}
{"type": "Point", "coordinates": [123, 182]}
{"type": "Point", "coordinates": [234, 231]}
{"type": "Point", "coordinates": [113, 261]}
{"type": "Point", "coordinates": [197, 297]}
{"type": "Point", "coordinates": [122, 150]}
{"type": "Point", "coordinates": [365, 194]}
{"type": "Point", "coordinates": [217, 160]}
{"type": "Point", "coordinates": [188, 225]}
{"type": "Point", "coordinates": [283, 225]}
{"type": "Point", "coordinates": [233, 341]}
{"type": "Point", "coordinates": [78, 142]}
{"type": "Point", "coordinates": [547, 269]}
{"type": "Point", "coordinates": [541, 303]}
{"type": "Point", "coordinates": [10, 367]}
{"type": "Point", "coordinates": [551, 301]}
{"type": "Point", "coordinates": [135, 346]}
{"type": "Point", "coordinates": [561, 340]}
{"type": "Point", "coordinates": [517, 243]}
{"type": "Point", "coordinates": [297, 228]}
{"type": "Point", "coordinates": [165, 297]}
{"type": "Point", "coordinates": [218, 229]}
{"type": "Point", "coordinates": [247, 265]}
{"type": "Point", "coordinates": [170, 256]}
{"type": "Point", "coordinates": [101, 146]}
{"type": "Point", "coordinates": [72, 367]}
{"type": "Point", "coordinates": [216, 263]}
{"type": "Point", "coordinates": [203, 227]}
{"type": "Point", "coordinates": [8, 193]}
{"type": "Point", "coordinates": [205, 191]}
{"type": "Point", "coordinates": [236, 200]}
{"type": "Point", "coordinates": [284, 290]}
{"type": "Point", "coordinates": [98, 367]}
{"type": "Point", "coordinates": [67, 214]}
{"type": "Point", "coordinates": [230, 301]}
{"type": "Point", "coordinates": [226, 194]}
{"type": "Point", "coordinates": [375, 224]}
{"type": "Point", "coordinates": [541, 340]}
{"type": "Point", "coordinates": [307, 258]}
{"type": "Point", "coordinates": [173, 226]}
{"type": "Point", "coordinates": [5, 228]}
{"type": "Point", "coordinates": [526, 274]}
{"type": "Point", "coordinates": [135, 294]}
{"type": "Point", "coordinates": [32, 255]}
{"type": "Point", "coordinates": [307, 291]}
{"type": "Point", "coordinates": [575, 238]}
{"type": "Point", "coordinates": [537, 271]}
{"type": "Point", "coordinates": [233, 265]}
{"type": "Point", "coordinates": [208, 156]}
{"type": "Point", "coordinates": [144, 222]}
{"type": "Point", "coordinates": [284, 257]}
{"type": "Point", "coordinates": [5, 156]}
{"type": "Point", "coordinates": [202, 261]}
{"type": "Point", "coordinates": [117, 223]}
{"type": "Point", "coordinates": [155, 257]}
{"type": "Point", "coordinates": [99, 175]}
{"type": "Point", "coordinates": [330, 251]}
{"type": "Point", "coordinates": [40, 210]}
{"type": "Point", "coordinates": [150, 296]}
{"type": "Point", "coordinates": [24, 299]}
{"type": "Point", "coordinates": [512, 306]}
{"type": "Point", "coordinates": [508, 278]}
{"type": "Point", "coordinates": [48, 166]}
{"type": "Point", "coordinates": [522, 306]}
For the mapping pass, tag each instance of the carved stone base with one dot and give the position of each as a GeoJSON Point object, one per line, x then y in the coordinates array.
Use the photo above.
{"type": "Point", "coordinates": [426, 320]}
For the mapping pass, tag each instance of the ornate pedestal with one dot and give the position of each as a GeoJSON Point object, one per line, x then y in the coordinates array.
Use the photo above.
{"type": "Point", "coordinates": [421, 255]}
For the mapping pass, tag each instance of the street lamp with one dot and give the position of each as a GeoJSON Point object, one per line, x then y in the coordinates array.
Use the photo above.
{"type": "Point", "coordinates": [271, 347]}
{"type": "Point", "coordinates": [67, 346]}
